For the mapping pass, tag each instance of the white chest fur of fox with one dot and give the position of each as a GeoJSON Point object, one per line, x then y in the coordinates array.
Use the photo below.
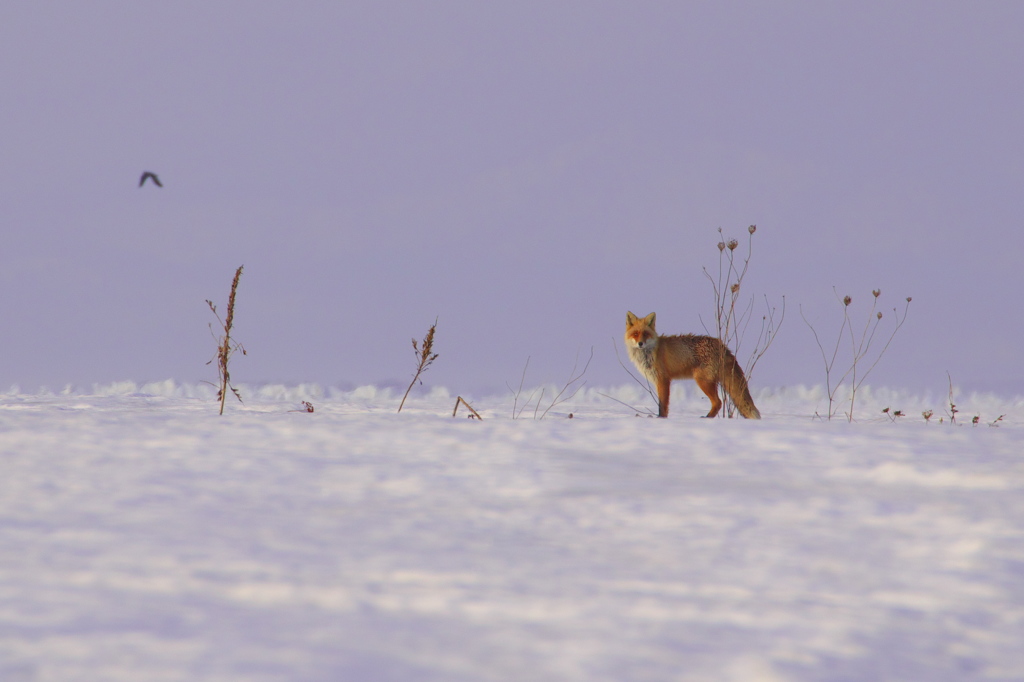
{"type": "Point", "coordinates": [643, 358]}
{"type": "Point", "coordinates": [704, 359]}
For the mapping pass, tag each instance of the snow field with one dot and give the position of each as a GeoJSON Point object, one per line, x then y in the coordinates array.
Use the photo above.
{"type": "Point", "coordinates": [143, 537]}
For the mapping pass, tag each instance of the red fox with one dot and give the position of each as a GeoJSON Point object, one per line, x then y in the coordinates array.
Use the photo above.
{"type": "Point", "coordinates": [704, 359]}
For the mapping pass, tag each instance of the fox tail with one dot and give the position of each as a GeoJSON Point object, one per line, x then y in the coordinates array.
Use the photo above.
{"type": "Point", "coordinates": [735, 384]}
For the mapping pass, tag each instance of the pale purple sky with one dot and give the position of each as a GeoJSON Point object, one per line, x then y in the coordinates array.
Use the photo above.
{"type": "Point", "coordinates": [524, 171]}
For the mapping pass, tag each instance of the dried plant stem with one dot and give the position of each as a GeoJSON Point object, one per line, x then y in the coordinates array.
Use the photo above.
{"type": "Point", "coordinates": [571, 384]}
{"type": "Point", "coordinates": [859, 349]}
{"type": "Point", "coordinates": [769, 330]}
{"type": "Point", "coordinates": [829, 362]}
{"type": "Point", "coordinates": [517, 392]}
{"type": "Point", "coordinates": [731, 321]}
{"type": "Point", "coordinates": [952, 406]}
{"type": "Point", "coordinates": [424, 358]}
{"type": "Point", "coordinates": [460, 400]}
{"type": "Point", "coordinates": [573, 378]}
{"type": "Point", "coordinates": [625, 404]}
{"type": "Point", "coordinates": [226, 346]}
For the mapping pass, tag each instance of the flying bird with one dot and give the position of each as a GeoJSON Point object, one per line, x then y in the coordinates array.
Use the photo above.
{"type": "Point", "coordinates": [146, 175]}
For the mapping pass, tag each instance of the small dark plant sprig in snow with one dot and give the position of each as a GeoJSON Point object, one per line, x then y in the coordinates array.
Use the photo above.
{"type": "Point", "coordinates": [425, 356]}
{"type": "Point", "coordinates": [226, 346]}
{"type": "Point", "coordinates": [893, 415]}
{"type": "Point", "coordinates": [952, 411]}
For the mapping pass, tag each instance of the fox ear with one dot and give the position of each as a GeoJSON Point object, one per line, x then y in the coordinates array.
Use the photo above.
{"type": "Point", "coordinates": [630, 318]}
{"type": "Point", "coordinates": [649, 320]}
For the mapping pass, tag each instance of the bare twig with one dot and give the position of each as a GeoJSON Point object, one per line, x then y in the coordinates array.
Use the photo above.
{"type": "Point", "coordinates": [573, 378]}
{"type": "Point", "coordinates": [769, 330]}
{"type": "Point", "coordinates": [638, 410]}
{"type": "Point", "coordinates": [517, 392]}
{"type": "Point", "coordinates": [559, 398]}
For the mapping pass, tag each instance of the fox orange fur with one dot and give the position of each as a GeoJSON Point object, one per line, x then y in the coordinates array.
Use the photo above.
{"type": "Point", "coordinates": [704, 359]}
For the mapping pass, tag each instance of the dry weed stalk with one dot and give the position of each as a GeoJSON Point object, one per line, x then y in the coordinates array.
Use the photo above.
{"type": "Point", "coordinates": [859, 349]}
{"type": "Point", "coordinates": [952, 406]}
{"type": "Point", "coordinates": [226, 346]}
{"type": "Point", "coordinates": [573, 384]}
{"type": "Point", "coordinates": [953, 410]}
{"type": "Point", "coordinates": [517, 392]}
{"type": "Point", "coordinates": [460, 400]}
{"type": "Point", "coordinates": [573, 378]}
{"type": "Point", "coordinates": [731, 322]}
{"type": "Point", "coordinates": [425, 356]}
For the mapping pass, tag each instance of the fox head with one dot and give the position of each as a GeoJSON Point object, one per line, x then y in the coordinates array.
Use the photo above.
{"type": "Point", "coordinates": [640, 332]}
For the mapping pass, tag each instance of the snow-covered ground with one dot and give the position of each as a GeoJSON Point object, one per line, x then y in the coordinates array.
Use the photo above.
{"type": "Point", "coordinates": [144, 538]}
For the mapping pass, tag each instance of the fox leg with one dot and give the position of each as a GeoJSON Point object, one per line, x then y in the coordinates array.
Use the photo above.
{"type": "Point", "coordinates": [710, 388]}
{"type": "Point", "coordinates": [664, 388]}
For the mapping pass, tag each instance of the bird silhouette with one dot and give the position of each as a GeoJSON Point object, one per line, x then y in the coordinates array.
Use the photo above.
{"type": "Point", "coordinates": [146, 175]}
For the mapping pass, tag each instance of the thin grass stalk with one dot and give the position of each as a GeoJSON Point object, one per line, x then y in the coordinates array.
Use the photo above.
{"type": "Point", "coordinates": [424, 357]}
{"type": "Point", "coordinates": [516, 393]}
